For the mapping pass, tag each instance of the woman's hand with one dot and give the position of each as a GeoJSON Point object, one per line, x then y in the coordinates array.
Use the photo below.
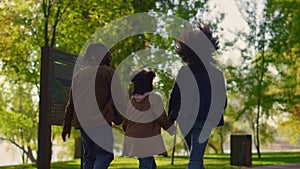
{"type": "Point", "coordinates": [172, 129]}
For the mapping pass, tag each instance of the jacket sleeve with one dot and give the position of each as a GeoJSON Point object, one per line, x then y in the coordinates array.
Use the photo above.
{"type": "Point", "coordinates": [122, 106]}
{"type": "Point", "coordinates": [111, 114]}
{"type": "Point", "coordinates": [174, 102]}
{"type": "Point", "coordinates": [124, 125]}
{"type": "Point", "coordinates": [69, 113]}
{"type": "Point", "coordinates": [158, 109]}
{"type": "Point", "coordinates": [164, 121]}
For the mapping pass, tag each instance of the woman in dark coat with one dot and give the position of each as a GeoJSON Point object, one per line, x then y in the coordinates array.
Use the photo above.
{"type": "Point", "coordinates": [191, 101]}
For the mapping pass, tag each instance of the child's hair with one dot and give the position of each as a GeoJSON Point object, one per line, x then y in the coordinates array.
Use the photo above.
{"type": "Point", "coordinates": [192, 34]}
{"type": "Point", "coordinates": [142, 82]}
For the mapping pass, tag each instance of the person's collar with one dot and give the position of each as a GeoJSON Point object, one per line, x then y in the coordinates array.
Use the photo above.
{"type": "Point", "coordinates": [140, 98]}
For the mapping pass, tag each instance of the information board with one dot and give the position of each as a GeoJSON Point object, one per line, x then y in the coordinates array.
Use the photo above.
{"type": "Point", "coordinates": [62, 64]}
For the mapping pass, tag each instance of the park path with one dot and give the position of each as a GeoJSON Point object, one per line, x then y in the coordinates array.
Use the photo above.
{"type": "Point", "coordinates": [283, 166]}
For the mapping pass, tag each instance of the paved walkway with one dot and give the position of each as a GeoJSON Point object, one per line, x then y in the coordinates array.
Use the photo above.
{"type": "Point", "coordinates": [283, 166]}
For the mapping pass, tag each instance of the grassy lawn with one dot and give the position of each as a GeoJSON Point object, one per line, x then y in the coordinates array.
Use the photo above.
{"type": "Point", "coordinates": [210, 162]}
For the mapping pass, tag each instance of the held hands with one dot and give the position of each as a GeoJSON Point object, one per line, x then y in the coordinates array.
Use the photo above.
{"type": "Point", "coordinates": [172, 129]}
{"type": "Point", "coordinates": [165, 154]}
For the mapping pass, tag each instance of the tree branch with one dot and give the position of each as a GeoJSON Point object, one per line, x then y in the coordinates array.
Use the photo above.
{"type": "Point", "coordinates": [55, 25]}
{"type": "Point", "coordinates": [47, 10]}
{"type": "Point", "coordinates": [28, 153]}
{"type": "Point", "coordinates": [213, 147]}
{"type": "Point", "coordinates": [13, 142]}
{"type": "Point", "coordinates": [58, 17]}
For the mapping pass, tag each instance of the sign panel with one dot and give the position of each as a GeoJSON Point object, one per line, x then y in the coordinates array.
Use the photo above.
{"type": "Point", "coordinates": [62, 67]}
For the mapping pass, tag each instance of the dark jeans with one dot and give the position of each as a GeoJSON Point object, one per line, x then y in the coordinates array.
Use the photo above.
{"type": "Point", "coordinates": [94, 156]}
{"type": "Point", "coordinates": [147, 163]}
{"type": "Point", "coordinates": [196, 148]}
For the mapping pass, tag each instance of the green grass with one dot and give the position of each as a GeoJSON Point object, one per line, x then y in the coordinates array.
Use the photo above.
{"type": "Point", "coordinates": [276, 158]}
{"type": "Point", "coordinates": [210, 162]}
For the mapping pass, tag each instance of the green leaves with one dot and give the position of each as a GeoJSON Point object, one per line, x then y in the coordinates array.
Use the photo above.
{"type": "Point", "coordinates": [265, 82]}
{"type": "Point", "coordinates": [19, 118]}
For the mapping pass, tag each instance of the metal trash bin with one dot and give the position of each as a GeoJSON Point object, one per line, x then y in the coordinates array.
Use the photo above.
{"type": "Point", "coordinates": [240, 150]}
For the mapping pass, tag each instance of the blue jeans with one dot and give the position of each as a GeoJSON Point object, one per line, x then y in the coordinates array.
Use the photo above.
{"type": "Point", "coordinates": [94, 156]}
{"type": "Point", "coordinates": [196, 149]}
{"type": "Point", "coordinates": [147, 163]}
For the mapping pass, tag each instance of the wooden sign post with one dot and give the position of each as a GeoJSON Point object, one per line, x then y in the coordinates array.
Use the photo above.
{"type": "Point", "coordinates": [44, 130]}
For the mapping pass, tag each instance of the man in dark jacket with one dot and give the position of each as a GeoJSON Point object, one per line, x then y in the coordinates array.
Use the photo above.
{"type": "Point", "coordinates": [80, 107]}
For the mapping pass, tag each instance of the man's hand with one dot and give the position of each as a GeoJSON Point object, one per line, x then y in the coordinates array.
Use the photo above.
{"type": "Point", "coordinates": [65, 133]}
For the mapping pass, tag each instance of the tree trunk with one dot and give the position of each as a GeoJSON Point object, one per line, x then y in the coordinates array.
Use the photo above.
{"type": "Point", "coordinates": [261, 73]}
{"type": "Point", "coordinates": [213, 147]}
{"type": "Point", "coordinates": [221, 140]}
{"type": "Point", "coordinates": [30, 154]}
{"type": "Point", "coordinates": [173, 150]}
{"type": "Point", "coordinates": [23, 157]}
{"type": "Point", "coordinates": [257, 129]}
